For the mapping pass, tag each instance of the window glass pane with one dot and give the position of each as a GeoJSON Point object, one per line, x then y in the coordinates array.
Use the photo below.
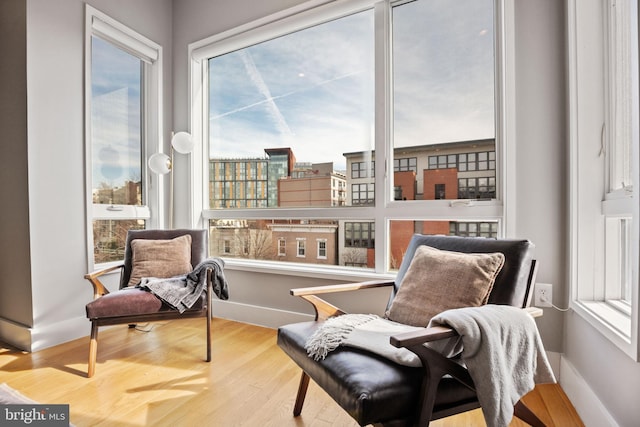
{"type": "Point", "coordinates": [443, 65]}
{"type": "Point", "coordinates": [400, 233]}
{"type": "Point", "coordinates": [109, 238]}
{"type": "Point", "coordinates": [327, 242]}
{"type": "Point", "coordinates": [297, 112]}
{"type": "Point", "coordinates": [116, 82]}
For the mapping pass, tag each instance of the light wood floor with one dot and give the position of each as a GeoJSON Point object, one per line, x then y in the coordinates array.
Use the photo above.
{"type": "Point", "coordinates": [159, 378]}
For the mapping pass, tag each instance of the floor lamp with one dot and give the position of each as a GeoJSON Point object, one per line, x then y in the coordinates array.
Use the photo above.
{"type": "Point", "coordinates": [161, 164]}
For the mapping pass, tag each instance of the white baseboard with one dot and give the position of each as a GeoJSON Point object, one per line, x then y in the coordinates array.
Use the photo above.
{"type": "Point", "coordinates": [592, 412]}
{"type": "Point", "coordinates": [257, 315]}
{"type": "Point", "coordinates": [554, 361]}
{"type": "Point", "coordinates": [15, 334]}
{"type": "Point", "coordinates": [59, 332]}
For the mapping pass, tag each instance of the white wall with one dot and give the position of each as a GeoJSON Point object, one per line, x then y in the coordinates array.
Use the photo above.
{"type": "Point", "coordinates": [15, 262]}
{"type": "Point", "coordinates": [55, 115]}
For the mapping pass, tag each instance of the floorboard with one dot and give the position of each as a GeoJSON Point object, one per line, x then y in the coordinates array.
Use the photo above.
{"type": "Point", "coordinates": [155, 375]}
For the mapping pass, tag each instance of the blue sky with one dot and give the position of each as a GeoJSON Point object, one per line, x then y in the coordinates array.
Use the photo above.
{"type": "Point", "coordinates": [313, 90]}
{"type": "Point", "coordinates": [115, 115]}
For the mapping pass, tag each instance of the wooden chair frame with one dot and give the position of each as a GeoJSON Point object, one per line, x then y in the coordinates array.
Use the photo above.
{"type": "Point", "coordinates": [99, 290]}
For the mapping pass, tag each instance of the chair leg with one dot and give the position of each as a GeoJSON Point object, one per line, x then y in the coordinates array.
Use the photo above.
{"type": "Point", "coordinates": [523, 412]}
{"type": "Point", "coordinates": [302, 392]}
{"type": "Point", "coordinates": [208, 359]}
{"type": "Point", "coordinates": [93, 350]}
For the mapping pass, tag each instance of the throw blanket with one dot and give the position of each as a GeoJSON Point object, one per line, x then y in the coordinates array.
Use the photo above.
{"type": "Point", "coordinates": [503, 353]}
{"type": "Point", "coordinates": [365, 331]}
{"type": "Point", "coordinates": [181, 292]}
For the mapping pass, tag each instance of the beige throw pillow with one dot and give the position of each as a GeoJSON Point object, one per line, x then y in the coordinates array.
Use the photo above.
{"type": "Point", "coordinates": [438, 280]}
{"type": "Point", "coordinates": [160, 258]}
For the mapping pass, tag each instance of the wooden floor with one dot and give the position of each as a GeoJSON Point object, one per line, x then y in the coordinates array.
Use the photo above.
{"type": "Point", "coordinates": [159, 378]}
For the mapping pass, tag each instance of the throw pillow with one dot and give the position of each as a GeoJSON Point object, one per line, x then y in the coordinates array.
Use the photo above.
{"type": "Point", "coordinates": [160, 258]}
{"type": "Point", "coordinates": [439, 280]}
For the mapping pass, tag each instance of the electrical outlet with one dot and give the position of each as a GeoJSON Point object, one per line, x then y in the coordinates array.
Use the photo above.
{"type": "Point", "coordinates": [543, 295]}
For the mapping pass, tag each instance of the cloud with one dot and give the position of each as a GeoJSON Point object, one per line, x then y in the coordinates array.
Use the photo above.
{"type": "Point", "coordinates": [313, 90]}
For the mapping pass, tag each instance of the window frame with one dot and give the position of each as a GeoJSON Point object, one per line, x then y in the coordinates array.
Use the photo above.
{"type": "Point", "coordinates": [600, 204]}
{"type": "Point", "coordinates": [321, 246]}
{"type": "Point", "coordinates": [301, 247]}
{"type": "Point", "coordinates": [501, 209]}
{"type": "Point", "coordinates": [153, 188]}
{"type": "Point", "coordinates": [282, 246]}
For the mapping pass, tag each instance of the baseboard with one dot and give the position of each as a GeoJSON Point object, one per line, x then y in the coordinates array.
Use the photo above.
{"type": "Point", "coordinates": [592, 412]}
{"type": "Point", "coordinates": [554, 361]}
{"type": "Point", "coordinates": [15, 334]}
{"type": "Point", "coordinates": [59, 332]}
{"type": "Point", "coordinates": [257, 315]}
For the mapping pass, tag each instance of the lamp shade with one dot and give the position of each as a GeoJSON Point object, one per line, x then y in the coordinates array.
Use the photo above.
{"type": "Point", "coordinates": [160, 163]}
{"type": "Point", "coordinates": [182, 142]}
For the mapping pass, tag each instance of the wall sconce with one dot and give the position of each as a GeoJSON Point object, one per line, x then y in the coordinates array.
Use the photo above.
{"type": "Point", "coordinates": [161, 164]}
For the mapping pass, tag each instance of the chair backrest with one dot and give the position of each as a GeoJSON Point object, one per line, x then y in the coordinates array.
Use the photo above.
{"type": "Point", "coordinates": [199, 246]}
{"type": "Point", "coordinates": [514, 282]}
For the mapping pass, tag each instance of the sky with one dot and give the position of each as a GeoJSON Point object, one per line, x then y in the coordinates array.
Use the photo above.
{"type": "Point", "coordinates": [115, 115]}
{"type": "Point", "coordinates": [313, 90]}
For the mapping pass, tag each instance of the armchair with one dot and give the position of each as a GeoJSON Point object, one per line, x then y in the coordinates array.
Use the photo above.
{"type": "Point", "coordinates": [375, 390]}
{"type": "Point", "coordinates": [130, 305]}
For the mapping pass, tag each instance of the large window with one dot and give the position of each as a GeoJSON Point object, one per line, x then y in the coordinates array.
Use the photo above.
{"type": "Point", "coordinates": [604, 190]}
{"type": "Point", "coordinates": [122, 78]}
{"type": "Point", "coordinates": [361, 94]}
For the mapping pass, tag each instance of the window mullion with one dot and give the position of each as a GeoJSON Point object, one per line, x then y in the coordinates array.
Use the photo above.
{"type": "Point", "coordinates": [383, 130]}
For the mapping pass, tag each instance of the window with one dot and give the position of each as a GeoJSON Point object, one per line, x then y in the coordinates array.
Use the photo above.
{"type": "Point", "coordinates": [276, 93]}
{"type": "Point", "coordinates": [302, 247]}
{"type": "Point", "coordinates": [322, 249]}
{"type": "Point", "coordinates": [402, 165]}
{"type": "Point", "coordinates": [473, 229]}
{"type": "Point", "coordinates": [362, 194]}
{"type": "Point", "coordinates": [440, 191]}
{"type": "Point", "coordinates": [360, 169]}
{"type": "Point", "coordinates": [604, 190]}
{"type": "Point", "coordinates": [282, 247]}
{"type": "Point", "coordinates": [122, 77]}
{"type": "Point", "coordinates": [226, 246]}
{"type": "Point", "coordinates": [359, 234]}
{"type": "Point", "coordinates": [477, 188]}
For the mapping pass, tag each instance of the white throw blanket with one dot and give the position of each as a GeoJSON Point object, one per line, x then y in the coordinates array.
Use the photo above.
{"type": "Point", "coordinates": [366, 331]}
{"type": "Point", "coordinates": [500, 346]}
{"type": "Point", "coordinates": [503, 353]}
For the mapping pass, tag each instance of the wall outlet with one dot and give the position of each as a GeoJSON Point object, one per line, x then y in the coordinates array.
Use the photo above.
{"type": "Point", "coordinates": [543, 295]}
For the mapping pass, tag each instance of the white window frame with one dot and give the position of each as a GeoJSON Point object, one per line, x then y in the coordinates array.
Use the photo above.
{"type": "Point", "coordinates": [501, 209]}
{"type": "Point", "coordinates": [301, 247]}
{"type": "Point", "coordinates": [282, 246]}
{"type": "Point", "coordinates": [601, 194]}
{"type": "Point", "coordinates": [319, 243]}
{"type": "Point", "coordinates": [103, 26]}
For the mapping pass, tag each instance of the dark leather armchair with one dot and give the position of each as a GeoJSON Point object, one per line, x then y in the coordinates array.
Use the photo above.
{"type": "Point", "coordinates": [134, 305]}
{"type": "Point", "coordinates": [375, 390]}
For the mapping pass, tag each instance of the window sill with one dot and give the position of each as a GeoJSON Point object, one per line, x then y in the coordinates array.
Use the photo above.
{"type": "Point", "coordinates": [610, 322]}
{"type": "Point", "coordinates": [347, 274]}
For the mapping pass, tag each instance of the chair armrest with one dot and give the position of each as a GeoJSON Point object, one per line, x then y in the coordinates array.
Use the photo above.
{"type": "Point", "coordinates": [324, 309]}
{"type": "Point", "coordinates": [435, 333]}
{"type": "Point", "coordinates": [343, 287]}
{"type": "Point", "coordinates": [98, 288]}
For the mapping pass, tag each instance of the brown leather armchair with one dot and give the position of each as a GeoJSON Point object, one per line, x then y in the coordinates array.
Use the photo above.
{"type": "Point", "coordinates": [134, 305]}
{"type": "Point", "coordinates": [375, 390]}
